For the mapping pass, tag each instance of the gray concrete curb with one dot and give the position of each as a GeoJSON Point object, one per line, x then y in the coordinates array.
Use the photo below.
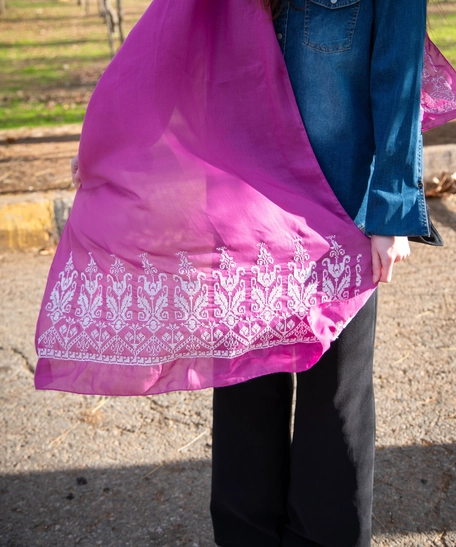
{"type": "Point", "coordinates": [36, 220]}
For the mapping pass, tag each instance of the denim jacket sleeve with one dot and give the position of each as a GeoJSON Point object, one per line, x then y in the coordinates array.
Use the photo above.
{"type": "Point", "coordinates": [396, 202]}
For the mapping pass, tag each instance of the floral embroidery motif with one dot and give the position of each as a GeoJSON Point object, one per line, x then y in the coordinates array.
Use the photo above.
{"type": "Point", "coordinates": [229, 291]}
{"type": "Point", "coordinates": [157, 317]}
{"type": "Point", "coordinates": [337, 275]}
{"type": "Point", "coordinates": [266, 286]}
{"type": "Point", "coordinates": [302, 283]}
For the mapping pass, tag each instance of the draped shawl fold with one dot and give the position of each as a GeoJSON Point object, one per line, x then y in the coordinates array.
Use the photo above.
{"type": "Point", "coordinates": [205, 246]}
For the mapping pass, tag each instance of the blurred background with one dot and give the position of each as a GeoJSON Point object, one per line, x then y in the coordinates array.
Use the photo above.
{"type": "Point", "coordinates": [52, 52]}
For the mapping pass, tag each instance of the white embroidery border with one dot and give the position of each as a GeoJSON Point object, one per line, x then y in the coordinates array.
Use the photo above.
{"type": "Point", "coordinates": [225, 315]}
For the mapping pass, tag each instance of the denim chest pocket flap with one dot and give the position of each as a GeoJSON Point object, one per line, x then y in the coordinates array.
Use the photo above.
{"type": "Point", "coordinates": [329, 25]}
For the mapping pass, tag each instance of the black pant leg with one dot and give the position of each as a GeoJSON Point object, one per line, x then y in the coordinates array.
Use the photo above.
{"type": "Point", "coordinates": [331, 483]}
{"type": "Point", "coordinates": [250, 465]}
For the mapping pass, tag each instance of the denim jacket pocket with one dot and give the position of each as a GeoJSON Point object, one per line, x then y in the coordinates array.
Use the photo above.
{"type": "Point", "coordinates": [329, 25]}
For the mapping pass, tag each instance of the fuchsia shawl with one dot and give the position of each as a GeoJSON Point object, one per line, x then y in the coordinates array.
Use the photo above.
{"type": "Point", "coordinates": [205, 246]}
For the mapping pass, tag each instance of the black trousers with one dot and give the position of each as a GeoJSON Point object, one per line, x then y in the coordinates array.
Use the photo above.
{"type": "Point", "coordinates": [315, 489]}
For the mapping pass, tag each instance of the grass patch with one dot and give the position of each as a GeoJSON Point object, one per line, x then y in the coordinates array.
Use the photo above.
{"type": "Point", "coordinates": [442, 30]}
{"type": "Point", "coordinates": [51, 56]}
{"type": "Point", "coordinates": [26, 114]}
{"type": "Point", "coordinates": [442, 26]}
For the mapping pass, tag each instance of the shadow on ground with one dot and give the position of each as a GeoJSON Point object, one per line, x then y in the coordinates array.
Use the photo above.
{"type": "Point", "coordinates": [441, 212]}
{"type": "Point", "coordinates": [38, 140]}
{"type": "Point", "coordinates": [167, 506]}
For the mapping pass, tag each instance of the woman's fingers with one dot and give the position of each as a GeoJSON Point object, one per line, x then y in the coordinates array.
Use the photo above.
{"type": "Point", "coordinates": [75, 172]}
{"type": "Point", "coordinates": [376, 267]}
{"type": "Point", "coordinates": [386, 251]}
{"type": "Point", "coordinates": [387, 269]}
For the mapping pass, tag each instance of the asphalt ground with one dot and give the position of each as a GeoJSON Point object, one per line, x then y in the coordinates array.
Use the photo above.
{"type": "Point", "coordinates": [84, 471]}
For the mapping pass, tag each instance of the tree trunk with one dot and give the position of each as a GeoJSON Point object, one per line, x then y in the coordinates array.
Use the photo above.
{"type": "Point", "coordinates": [86, 5]}
{"type": "Point", "coordinates": [120, 21]}
{"type": "Point", "coordinates": [2, 6]}
{"type": "Point", "coordinates": [111, 20]}
{"type": "Point", "coordinates": [114, 21]}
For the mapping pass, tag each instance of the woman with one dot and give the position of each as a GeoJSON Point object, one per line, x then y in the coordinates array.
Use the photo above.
{"type": "Point", "coordinates": [205, 247]}
{"type": "Point", "coordinates": [355, 67]}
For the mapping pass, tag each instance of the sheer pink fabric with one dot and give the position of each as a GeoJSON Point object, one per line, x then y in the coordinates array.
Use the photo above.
{"type": "Point", "coordinates": [205, 246]}
{"type": "Point", "coordinates": [438, 100]}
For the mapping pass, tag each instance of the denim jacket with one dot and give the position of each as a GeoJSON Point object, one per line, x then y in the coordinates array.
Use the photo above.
{"type": "Point", "coordinates": [355, 67]}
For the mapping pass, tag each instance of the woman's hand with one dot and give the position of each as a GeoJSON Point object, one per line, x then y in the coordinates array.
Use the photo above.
{"type": "Point", "coordinates": [75, 172]}
{"type": "Point", "coordinates": [386, 250]}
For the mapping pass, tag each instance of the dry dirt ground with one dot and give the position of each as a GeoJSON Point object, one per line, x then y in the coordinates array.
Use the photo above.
{"type": "Point", "coordinates": [38, 159]}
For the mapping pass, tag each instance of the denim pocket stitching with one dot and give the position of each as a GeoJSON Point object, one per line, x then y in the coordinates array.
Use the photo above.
{"type": "Point", "coordinates": [339, 4]}
{"type": "Point", "coordinates": [347, 42]}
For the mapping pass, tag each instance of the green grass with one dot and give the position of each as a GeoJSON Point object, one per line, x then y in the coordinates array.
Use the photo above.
{"type": "Point", "coordinates": [29, 114]}
{"type": "Point", "coordinates": [442, 26]}
{"type": "Point", "coordinates": [52, 54]}
{"type": "Point", "coordinates": [442, 30]}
